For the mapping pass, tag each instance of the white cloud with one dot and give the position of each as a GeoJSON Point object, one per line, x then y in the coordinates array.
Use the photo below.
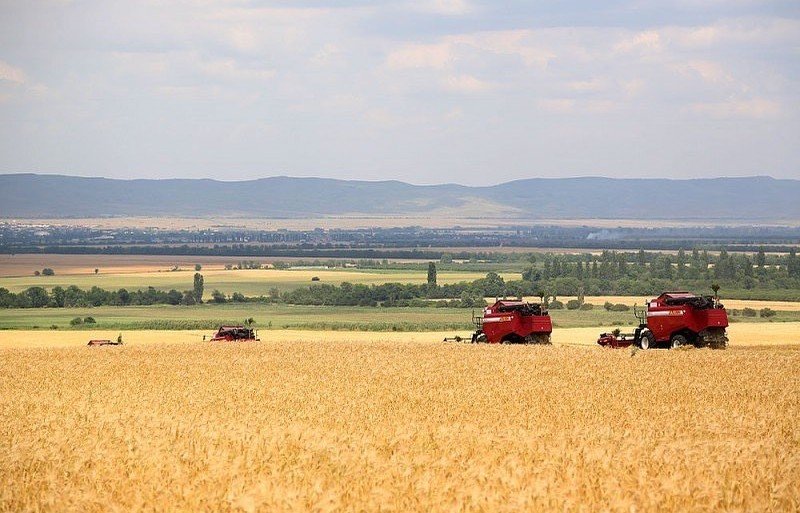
{"type": "Point", "coordinates": [576, 106]}
{"type": "Point", "coordinates": [231, 69]}
{"type": "Point", "coordinates": [411, 56]}
{"type": "Point", "coordinates": [149, 63]}
{"type": "Point", "coordinates": [756, 108]}
{"type": "Point", "coordinates": [517, 43]}
{"type": "Point", "coordinates": [632, 87]}
{"type": "Point", "coordinates": [482, 46]}
{"type": "Point", "coordinates": [454, 114]}
{"type": "Point", "coordinates": [445, 7]}
{"type": "Point", "coordinates": [10, 73]}
{"type": "Point", "coordinates": [590, 85]}
{"type": "Point", "coordinates": [466, 84]}
{"type": "Point", "coordinates": [560, 105]}
{"type": "Point", "coordinates": [649, 41]}
{"type": "Point", "coordinates": [243, 37]}
{"type": "Point", "coordinates": [709, 71]}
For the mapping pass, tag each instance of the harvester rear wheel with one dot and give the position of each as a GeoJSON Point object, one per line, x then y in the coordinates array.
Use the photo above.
{"type": "Point", "coordinates": [538, 338]}
{"type": "Point", "coordinates": [677, 341]}
{"type": "Point", "coordinates": [720, 344]}
{"type": "Point", "coordinates": [715, 339]}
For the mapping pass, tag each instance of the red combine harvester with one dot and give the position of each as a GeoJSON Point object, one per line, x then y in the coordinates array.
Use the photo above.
{"type": "Point", "coordinates": [235, 334]}
{"type": "Point", "coordinates": [675, 319]}
{"type": "Point", "coordinates": [512, 322]}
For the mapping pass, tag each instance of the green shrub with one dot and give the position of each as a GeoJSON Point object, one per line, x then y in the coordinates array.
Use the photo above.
{"type": "Point", "coordinates": [620, 307]}
{"type": "Point", "coordinates": [556, 305]}
{"type": "Point", "coordinates": [573, 304]}
{"type": "Point", "coordinates": [767, 312]}
{"type": "Point", "coordinates": [89, 320]}
{"type": "Point", "coordinates": [608, 306]}
{"type": "Point", "coordinates": [587, 306]}
{"type": "Point", "coordinates": [77, 321]}
{"type": "Point", "coordinates": [48, 272]}
{"type": "Point", "coordinates": [749, 312]}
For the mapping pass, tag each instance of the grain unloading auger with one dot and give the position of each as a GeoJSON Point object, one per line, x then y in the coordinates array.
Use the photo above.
{"type": "Point", "coordinates": [675, 319]}
{"type": "Point", "coordinates": [511, 322]}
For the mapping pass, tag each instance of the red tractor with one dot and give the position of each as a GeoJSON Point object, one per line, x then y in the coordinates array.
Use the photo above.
{"type": "Point", "coordinates": [234, 334]}
{"type": "Point", "coordinates": [675, 319]}
{"type": "Point", "coordinates": [512, 322]}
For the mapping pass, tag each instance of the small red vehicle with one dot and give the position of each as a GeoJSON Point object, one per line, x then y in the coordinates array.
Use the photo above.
{"type": "Point", "coordinates": [675, 319]}
{"type": "Point", "coordinates": [513, 322]}
{"type": "Point", "coordinates": [235, 333]}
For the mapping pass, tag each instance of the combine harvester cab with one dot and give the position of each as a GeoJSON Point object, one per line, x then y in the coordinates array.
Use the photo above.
{"type": "Point", "coordinates": [513, 322]}
{"type": "Point", "coordinates": [235, 334]}
{"type": "Point", "coordinates": [676, 319]}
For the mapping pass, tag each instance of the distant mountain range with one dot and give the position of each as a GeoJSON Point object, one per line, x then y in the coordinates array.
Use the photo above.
{"type": "Point", "coordinates": [57, 196]}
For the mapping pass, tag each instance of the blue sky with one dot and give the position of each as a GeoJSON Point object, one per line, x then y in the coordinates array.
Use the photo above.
{"type": "Point", "coordinates": [425, 91]}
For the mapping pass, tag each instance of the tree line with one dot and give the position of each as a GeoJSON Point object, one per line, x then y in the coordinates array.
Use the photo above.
{"type": "Point", "coordinates": [609, 273]}
{"type": "Point", "coordinates": [73, 296]}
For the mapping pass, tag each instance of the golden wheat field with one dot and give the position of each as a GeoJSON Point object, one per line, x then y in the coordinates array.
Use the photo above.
{"type": "Point", "coordinates": [318, 425]}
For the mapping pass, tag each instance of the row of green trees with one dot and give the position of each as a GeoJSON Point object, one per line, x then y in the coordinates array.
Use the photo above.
{"type": "Point", "coordinates": [72, 296]}
{"type": "Point", "coordinates": [647, 273]}
{"type": "Point", "coordinates": [609, 273]}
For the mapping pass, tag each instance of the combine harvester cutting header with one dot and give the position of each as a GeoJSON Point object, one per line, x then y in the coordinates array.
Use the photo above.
{"type": "Point", "coordinates": [675, 319]}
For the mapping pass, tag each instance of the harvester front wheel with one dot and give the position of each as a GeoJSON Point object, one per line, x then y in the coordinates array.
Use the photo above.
{"type": "Point", "coordinates": [647, 341]}
{"type": "Point", "coordinates": [677, 341]}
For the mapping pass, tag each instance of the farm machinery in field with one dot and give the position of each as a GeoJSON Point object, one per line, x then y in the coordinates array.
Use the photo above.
{"type": "Point", "coordinates": [104, 342]}
{"type": "Point", "coordinates": [511, 322]}
{"type": "Point", "coordinates": [235, 334]}
{"type": "Point", "coordinates": [675, 319]}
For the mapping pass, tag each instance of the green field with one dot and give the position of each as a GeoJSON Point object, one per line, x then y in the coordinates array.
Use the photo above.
{"type": "Point", "coordinates": [252, 282]}
{"type": "Point", "coordinates": [278, 316]}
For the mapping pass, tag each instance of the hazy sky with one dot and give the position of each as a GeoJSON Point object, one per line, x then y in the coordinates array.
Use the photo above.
{"type": "Point", "coordinates": [425, 91]}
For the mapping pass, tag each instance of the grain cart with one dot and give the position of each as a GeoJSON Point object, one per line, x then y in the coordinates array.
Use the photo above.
{"type": "Point", "coordinates": [235, 334]}
{"type": "Point", "coordinates": [675, 319]}
{"type": "Point", "coordinates": [512, 322]}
